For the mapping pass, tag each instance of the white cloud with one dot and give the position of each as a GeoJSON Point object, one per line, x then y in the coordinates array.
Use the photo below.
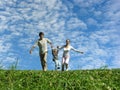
{"type": "Point", "coordinates": [83, 3]}
{"type": "Point", "coordinates": [106, 36]}
{"type": "Point", "coordinates": [92, 21]}
{"type": "Point", "coordinates": [50, 5]}
{"type": "Point", "coordinates": [116, 62]}
{"type": "Point", "coordinates": [76, 23]}
{"type": "Point", "coordinates": [103, 39]}
{"type": "Point", "coordinates": [113, 5]}
{"type": "Point", "coordinates": [3, 21]}
{"type": "Point", "coordinates": [114, 54]}
{"type": "Point", "coordinates": [97, 13]}
{"type": "Point", "coordinates": [4, 44]}
{"type": "Point", "coordinates": [112, 15]}
{"type": "Point", "coordinates": [100, 52]}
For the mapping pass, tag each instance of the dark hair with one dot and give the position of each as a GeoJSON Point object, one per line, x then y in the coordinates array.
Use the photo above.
{"type": "Point", "coordinates": [41, 33]}
{"type": "Point", "coordinates": [68, 39]}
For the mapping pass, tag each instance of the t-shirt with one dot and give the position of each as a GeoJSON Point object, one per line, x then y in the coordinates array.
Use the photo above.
{"type": "Point", "coordinates": [55, 54]}
{"type": "Point", "coordinates": [66, 51]}
{"type": "Point", "coordinates": [42, 45]}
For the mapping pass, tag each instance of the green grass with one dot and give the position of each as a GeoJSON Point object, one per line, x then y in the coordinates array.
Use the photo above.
{"type": "Point", "coordinates": [56, 80]}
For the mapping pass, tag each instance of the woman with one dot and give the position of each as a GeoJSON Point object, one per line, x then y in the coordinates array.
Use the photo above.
{"type": "Point", "coordinates": [66, 54]}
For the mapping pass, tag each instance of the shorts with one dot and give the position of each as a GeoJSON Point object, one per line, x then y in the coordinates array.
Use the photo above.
{"type": "Point", "coordinates": [65, 59]}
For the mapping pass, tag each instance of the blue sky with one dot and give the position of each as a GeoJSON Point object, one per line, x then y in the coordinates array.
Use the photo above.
{"type": "Point", "coordinates": [91, 25]}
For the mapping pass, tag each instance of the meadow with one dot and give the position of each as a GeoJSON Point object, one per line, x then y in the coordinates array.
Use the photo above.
{"type": "Point", "coordinates": [99, 79]}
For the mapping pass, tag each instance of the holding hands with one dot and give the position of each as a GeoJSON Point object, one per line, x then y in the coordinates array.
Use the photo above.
{"type": "Point", "coordinates": [82, 52]}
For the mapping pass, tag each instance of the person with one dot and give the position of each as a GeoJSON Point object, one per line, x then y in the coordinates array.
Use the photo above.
{"type": "Point", "coordinates": [55, 57]}
{"type": "Point", "coordinates": [42, 44]}
{"type": "Point", "coordinates": [66, 54]}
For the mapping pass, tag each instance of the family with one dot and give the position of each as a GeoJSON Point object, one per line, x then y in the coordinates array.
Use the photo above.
{"type": "Point", "coordinates": [42, 44]}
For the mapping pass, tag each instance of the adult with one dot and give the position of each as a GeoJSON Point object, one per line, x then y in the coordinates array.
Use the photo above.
{"type": "Point", "coordinates": [66, 54]}
{"type": "Point", "coordinates": [42, 44]}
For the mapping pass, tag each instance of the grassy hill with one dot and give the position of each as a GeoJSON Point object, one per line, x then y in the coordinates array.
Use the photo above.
{"type": "Point", "coordinates": [56, 80]}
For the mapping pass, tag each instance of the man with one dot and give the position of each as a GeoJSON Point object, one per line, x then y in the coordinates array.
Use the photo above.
{"type": "Point", "coordinates": [42, 44]}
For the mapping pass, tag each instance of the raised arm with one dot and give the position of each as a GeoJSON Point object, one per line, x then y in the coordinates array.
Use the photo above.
{"type": "Point", "coordinates": [76, 50]}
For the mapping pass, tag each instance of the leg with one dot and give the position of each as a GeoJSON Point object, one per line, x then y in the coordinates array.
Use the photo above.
{"type": "Point", "coordinates": [58, 64]}
{"type": "Point", "coordinates": [63, 62]}
{"type": "Point", "coordinates": [66, 62]}
{"type": "Point", "coordinates": [43, 61]}
{"type": "Point", "coordinates": [55, 65]}
{"type": "Point", "coordinates": [62, 67]}
{"type": "Point", "coordinates": [66, 67]}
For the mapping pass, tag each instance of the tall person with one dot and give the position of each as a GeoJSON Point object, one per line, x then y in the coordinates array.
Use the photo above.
{"type": "Point", "coordinates": [42, 44]}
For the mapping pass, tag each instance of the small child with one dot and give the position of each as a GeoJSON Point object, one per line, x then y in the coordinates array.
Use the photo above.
{"type": "Point", "coordinates": [55, 57]}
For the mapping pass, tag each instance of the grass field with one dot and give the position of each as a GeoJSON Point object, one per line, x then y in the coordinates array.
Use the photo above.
{"type": "Point", "coordinates": [56, 80]}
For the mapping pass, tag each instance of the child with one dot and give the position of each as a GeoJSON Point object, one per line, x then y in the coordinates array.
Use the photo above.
{"type": "Point", "coordinates": [55, 57]}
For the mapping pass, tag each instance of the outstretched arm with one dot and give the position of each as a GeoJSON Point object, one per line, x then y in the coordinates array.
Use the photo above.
{"type": "Point", "coordinates": [76, 50]}
{"type": "Point", "coordinates": [32, 48]}
{"type": "Point", "coordinates": [59, 48]}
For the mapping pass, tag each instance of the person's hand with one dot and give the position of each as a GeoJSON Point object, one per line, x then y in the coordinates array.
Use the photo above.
{"type": "Point", "coordinates": [81, 52]}
{"type": "Point", "coordinates": [51, 46]}
{"type": "Point", "coordinates": [58, 47]}
{"type": "Point", "coordinates": [30, 51]}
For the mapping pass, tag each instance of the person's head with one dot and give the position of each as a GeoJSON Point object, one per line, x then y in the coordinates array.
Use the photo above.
{"type": "Point", "coordinates": [55, 50]}
{"type": "Point", "coordinates": [57, 47]}
{"type": "Point", "coordinates": [41, 34]}
{"type": "Point", "coordinates": [67, 42]}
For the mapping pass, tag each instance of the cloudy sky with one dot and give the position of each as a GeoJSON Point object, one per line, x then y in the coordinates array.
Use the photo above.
{"type": "Point", "coordinates": [91, 25]}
